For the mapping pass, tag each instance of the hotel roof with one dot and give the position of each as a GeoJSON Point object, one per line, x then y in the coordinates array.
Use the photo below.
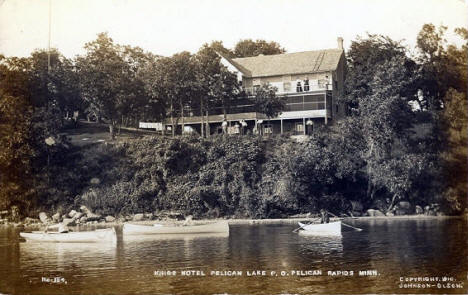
{"type": "Point", "coordinates": [288, 63]}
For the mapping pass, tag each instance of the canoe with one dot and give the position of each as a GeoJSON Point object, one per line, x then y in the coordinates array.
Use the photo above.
{"type": "Point", "coordinates": [99, 235]}
{"type": "Point", "coordinates": [322, 229]}
{"type": "Point", "coordinates": [138, 229]}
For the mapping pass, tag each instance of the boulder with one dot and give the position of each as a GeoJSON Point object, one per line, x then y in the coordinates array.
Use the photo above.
{"type": "Point", "coordinates": [72, 213]}
{"type": "Point", "coordinates": [29, 220]}
{"type": "Point", "coordinates": [84, 209]}
{"type": "Point", "coordinates": [149, 216]}
{"type": "Point", "coordinates": [78, 215]}
{"type": "Point", "coordinates": [138, 217]}
{"type": "Point", "coordinates": [404, 205]}
{"type": "Point", "coordinates": [56, 217]}
{"type": "Point", "coordinates": [357, 206]}
{"type": "Point", "coordinates": [356, 213]}
{"type": "Point", "coordinates": [83, 219]}
{"type": "Point", "coordinates": [91, 216]}
{"type": "Point", "coordinates": [431, 212]}
{"type": "Point", "coordinates": [110, 218]}
{"type": "Point", "coordinates": [380, 204]}
{"type": "Point", "coordinates": [427, 209]}
{"type": "Point", "coordinates": [95, 181]}
{"type": "Point", "coordinates": [400, 212]}
{"type": "Point", "coordinates": [69, 221]}
{"type": "Point", "coordinates": [15, 213]}
{"type": "Point", "coordinates": [373, 212]}
{"type": "Point", "coordinates": [4, 214]}
{"type": "Point", "coordinates": [419, 209]}
{"type": "Point", "coordinates": [403, 208]}
{"type": "Point", "coordinates": [44, 218]}
{"type": "Point", "coordinates": [389, 214]}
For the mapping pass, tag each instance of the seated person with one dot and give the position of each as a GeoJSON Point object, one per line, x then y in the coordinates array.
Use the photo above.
{"type": "Point", "coordinates": [324, 216]}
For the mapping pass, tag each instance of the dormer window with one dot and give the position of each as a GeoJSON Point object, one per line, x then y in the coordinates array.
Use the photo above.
{"type": "Point", "coordinates": [306, 85]}
{"type": "Point", "coordinates": [299, 86]}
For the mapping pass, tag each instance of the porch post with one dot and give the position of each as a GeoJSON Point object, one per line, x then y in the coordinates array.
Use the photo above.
{"type": "Point", "coordinates": [326, 110]}
{"type": "Point", "coordinates": [303, 125]}
{"type": "Point", "coordinates": [281, 126]}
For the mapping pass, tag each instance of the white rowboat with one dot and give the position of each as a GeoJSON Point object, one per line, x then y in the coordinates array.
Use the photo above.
{"type": "Point", "coordinates": [97, 236]}
{"type": "Point", "coordinates": [322, 229]}
{"type": "Point", "coordinates": [137, 229]}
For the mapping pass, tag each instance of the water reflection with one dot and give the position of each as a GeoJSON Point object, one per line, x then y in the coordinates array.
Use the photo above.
{"type": "Point", "coordinates": [63, 256]}
{"type": "Point", "coordinates": [392, 247]}
{"type": "Point", "coordinates": [163, 237]}
{"type": "Point", "coordinates": [321, 245]}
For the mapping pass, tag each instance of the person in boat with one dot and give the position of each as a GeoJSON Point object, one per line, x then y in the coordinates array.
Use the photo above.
{"type": "Point", "coordinates": [324, 216]}
{"type": "Point", "coordinates": [61, 228]}
{"type": "Point", "coordinates": [188, 220]}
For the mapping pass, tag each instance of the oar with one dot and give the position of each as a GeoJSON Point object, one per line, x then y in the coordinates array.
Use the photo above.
{"type": "Point", "coordinates": [356, 228]}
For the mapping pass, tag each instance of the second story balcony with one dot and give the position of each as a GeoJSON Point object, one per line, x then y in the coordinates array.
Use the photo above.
{"type": "Point", "coordinates": [291, 88]}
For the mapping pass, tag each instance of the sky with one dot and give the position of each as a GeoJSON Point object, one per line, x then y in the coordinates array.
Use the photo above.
{"type": "Point", "coordinates": [166, 27]}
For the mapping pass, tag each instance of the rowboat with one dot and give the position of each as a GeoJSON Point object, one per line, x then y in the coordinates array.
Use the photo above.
{"type": "Point", "coordinates": [138, 229]}
{"type": "Point", "coordinates": [322, 229]}
{"type": "Point", "coordinates": [99, 235]}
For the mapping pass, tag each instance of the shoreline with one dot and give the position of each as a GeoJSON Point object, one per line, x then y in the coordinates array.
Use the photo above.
{"type": "Point", "coordinates": [246, 221]}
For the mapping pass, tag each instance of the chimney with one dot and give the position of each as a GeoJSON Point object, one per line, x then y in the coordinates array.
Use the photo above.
{"type": "Point", "coordinates": [340, 43]}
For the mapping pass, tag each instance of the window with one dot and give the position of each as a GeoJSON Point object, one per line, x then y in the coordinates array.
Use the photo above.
{"type": "Point", "coordinates": [322, 84]}
{"type": "Point", "coordinates": [268, 129]}
{"type": "Point", "coordinates": [306, 85]}
{"type": "Point", "coordinates": [336, 108]}
{"type": "Point", "coordinates": [299, 127]}
{"type": "Point", "coordinates": [255, 89]}
{"type": "Point", "coordinates": [299, 86]}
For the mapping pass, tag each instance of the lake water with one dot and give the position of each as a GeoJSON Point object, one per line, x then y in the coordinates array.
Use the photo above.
{"type": "Point", "coordinates": [392, 251]}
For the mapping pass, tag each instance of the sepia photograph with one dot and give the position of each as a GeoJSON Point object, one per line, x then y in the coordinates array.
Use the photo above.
{"type": "Point", "coordinates": [233, 147]}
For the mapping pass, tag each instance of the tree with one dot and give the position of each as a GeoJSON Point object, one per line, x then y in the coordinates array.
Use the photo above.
{"type": "Point", "coordinates": [16, 150]}
{"type": "Point", "coordinates": [173, 86]}
{"type": "Point", "coordinates": [455, 156]}
{"type": "Point", "coordinates": [217, 85]}
{"type": "Point", "coordinates": [102, 78]}
{"type": "Point", "coordinates": [441, 66]}
{"type": "Point", "coordinates": [248, 47]}
{"type": "Point", "coordinates": [266, 101]}
{"type": "Point", "coordinates": [57, 86]}
{"type": "Point", "coordinates": [219, 47]}
{"type": "Point", "coordinates": [364, 56]}
{"type": "Point", "coordinates": [380, 84]}
{"type": "Point", "coordinates": [134, 98]}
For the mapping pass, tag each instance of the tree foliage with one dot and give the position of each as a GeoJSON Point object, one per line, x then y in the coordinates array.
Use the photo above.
{"type": "Point", "coordinates": [266, 101]}
{"type": "Point", "coordinates": [109, 79]}
{"type": "Point", "coordinates": [248, 47]}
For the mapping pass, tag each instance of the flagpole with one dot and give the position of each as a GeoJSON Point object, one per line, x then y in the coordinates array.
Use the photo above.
{"type": "Point", "coordinates": [48, 47]}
